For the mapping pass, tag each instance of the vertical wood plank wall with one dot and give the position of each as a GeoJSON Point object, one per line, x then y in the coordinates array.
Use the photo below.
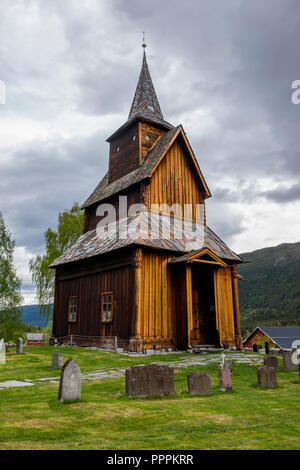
{"type": "Point", "coordinates": [157, 313]}
{"type": "Point", "coordinates": [174, 182]}
{"type": "Point", "coordinates": [224, 306]}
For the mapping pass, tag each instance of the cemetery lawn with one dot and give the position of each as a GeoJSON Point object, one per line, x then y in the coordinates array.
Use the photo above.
{"type": "Point", "coordinates": [245, 418]}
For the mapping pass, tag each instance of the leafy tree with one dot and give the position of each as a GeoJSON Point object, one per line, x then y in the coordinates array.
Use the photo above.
{"type": "Point", "coordinates": [69, 228]}
{"type": "Point", "coordinates": [11, 325]}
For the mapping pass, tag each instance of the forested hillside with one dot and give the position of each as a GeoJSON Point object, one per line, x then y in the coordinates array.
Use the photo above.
{"type": "Point", "coordinates": [271, 294]}
{"type": "Point", "coordinates": [31, 316]}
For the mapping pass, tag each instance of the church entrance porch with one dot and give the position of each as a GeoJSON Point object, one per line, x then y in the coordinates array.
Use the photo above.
{"type": "Point", "coordinates": [206, 301]}
{"type": "Point", "coordinates": [204, 330]}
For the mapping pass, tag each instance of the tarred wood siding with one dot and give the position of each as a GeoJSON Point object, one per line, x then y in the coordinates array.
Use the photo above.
{"type": "Point", "coordinates": [90, 281]}
{"type": "Point", "coordinates": [127, 158]}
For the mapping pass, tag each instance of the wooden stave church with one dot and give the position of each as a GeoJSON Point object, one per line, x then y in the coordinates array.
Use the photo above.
{"type": "Point", "coordinates": [161, 294]}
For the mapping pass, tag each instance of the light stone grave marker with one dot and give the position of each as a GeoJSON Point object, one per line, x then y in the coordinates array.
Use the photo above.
{"type": "Point", "coordinates": [70, 381]}
{"type": "Point", "coordinates": [288, 365]}
{"type": "Point", "coordinates": [2, 351]}
{"type": "Point", "coordinates": [225, 371]}
{"type": "Point", "coordinates": [57, 359]}
{"type": "Point", "coordinates": [19, 346]}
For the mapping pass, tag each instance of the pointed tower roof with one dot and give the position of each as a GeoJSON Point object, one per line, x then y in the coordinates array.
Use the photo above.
{"type": "Point", "coordinates": [145, 104]}
{"type": "Point", "coordinates": [145, 101]}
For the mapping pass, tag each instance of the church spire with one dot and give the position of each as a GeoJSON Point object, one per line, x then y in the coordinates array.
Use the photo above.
{"type": "Point", "coordinates": [145, 102]}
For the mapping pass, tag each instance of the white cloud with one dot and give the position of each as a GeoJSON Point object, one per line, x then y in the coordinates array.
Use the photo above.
{"type": "Point", "coordinates": [21, 259]}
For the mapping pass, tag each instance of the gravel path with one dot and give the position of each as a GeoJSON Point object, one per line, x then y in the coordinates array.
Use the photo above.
{"type": "Point", "coordinates": [194, 360]}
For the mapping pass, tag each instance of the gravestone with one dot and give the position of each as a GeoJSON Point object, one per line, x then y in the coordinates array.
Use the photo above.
{"type": "Point", "coordinates": [19, 346]}
{"type": "Point", "coordinates": [57, 358]}
{"type": "Point", "coordinates": [288, 364]}
{"type": "Point", "coordinates": [255, 347]}
{"type": "Point", "coordinates": [2, 351]}
{"type": "Point", "coordinates": [267, 376]}
{"type": "Point", "coordinates": [150, 380]}
{"type": "Point", "coordinates": [225, 371]}
{"type": "Point", "coordinates": [70, 381]}
{"type": "Point", "coordinates": [198, 383]}
{"type": "Point", "coordinates": [271, 361]}
{"type": "Point", "coordinates": [267, 348]}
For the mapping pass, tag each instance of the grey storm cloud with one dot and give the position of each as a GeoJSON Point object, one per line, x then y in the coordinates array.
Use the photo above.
{"type": "Point", "coordinates": [44, 178]}
{"type": "Point", "coordinates": [283, 195]}
{"type": "Point", "coordinates": [222, 69]}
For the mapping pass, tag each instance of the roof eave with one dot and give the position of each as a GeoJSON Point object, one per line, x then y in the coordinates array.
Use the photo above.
{"type": "Point", "coordinates": [162, 124]}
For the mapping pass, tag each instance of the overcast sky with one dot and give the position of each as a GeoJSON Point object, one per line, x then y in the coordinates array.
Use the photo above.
{"type": "Point", "coordinates": [223, 69]}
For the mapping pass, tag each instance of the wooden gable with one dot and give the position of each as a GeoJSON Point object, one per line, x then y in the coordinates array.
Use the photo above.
{"type": "Point", "coordinates": [176, 177]}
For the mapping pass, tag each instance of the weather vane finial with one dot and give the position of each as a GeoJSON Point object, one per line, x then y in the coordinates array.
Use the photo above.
{"type": "Point", "coordinates": [144, 45]}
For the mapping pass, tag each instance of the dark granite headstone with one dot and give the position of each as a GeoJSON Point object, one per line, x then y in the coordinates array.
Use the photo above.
{"type": "Point", "coordinates": [267, 376]}
{"type": "Point", "coordinates": [288, 365]}
{"type": "Point", "coordinates": [271, 361]}
{"type": "Point", "coordinates": [198, 383]}
{"type": "Point", "coordinates": [70, 381]}
{"type": "Point", "coordinates": [57, 358]}
{"type": "Point", "coordinates": [267, 348]}
{"type": "Point", "coordinates": [19, 346]}
{"type": "Point", "coordinates": [225, 371]}
{"type": "Point", "coordinates": [150, 380]}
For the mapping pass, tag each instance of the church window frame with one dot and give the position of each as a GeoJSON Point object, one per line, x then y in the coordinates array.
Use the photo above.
{"type": "Point", "coordinates": [72, 309]}
{"type": "Point", "coordinates": [107, 307]}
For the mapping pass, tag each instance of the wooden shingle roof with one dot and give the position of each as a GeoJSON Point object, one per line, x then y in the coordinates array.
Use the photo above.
{"type": "Point", "coordinates": [123, 233]}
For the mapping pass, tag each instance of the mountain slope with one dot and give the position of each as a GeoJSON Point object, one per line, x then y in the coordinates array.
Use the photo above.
{"type": "Point", "coordinates": [271, 296]}
{"type": "Point", "coordinates": [31, 316]}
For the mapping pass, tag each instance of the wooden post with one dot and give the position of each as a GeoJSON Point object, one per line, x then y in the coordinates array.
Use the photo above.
{"type": "Point", "coordinates": [236, 308]}
{"type": "Point", "coordinates": [138, 260]}
{"type": "Point", "coordinates": [189, 302]}
{"type": "Point", "coordinates": [217, 304]}
{"type": "Point", "coordinates": [136, 343]}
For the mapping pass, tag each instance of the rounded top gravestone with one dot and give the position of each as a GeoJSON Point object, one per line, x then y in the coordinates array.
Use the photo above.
{"type": "Point", "coordinates": [70, 381]}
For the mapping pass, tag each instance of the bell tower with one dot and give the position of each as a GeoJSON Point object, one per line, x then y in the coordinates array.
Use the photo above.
{"type": "Point", "coordinates": [145, 125]}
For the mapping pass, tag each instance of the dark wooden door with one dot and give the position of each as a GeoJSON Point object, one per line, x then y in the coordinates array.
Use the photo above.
{"type": "Point", "coordinates": [204, 318]}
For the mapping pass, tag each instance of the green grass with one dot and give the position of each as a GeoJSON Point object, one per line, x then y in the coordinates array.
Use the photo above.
{"type": "Point", "coordinates": [246, 418]}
